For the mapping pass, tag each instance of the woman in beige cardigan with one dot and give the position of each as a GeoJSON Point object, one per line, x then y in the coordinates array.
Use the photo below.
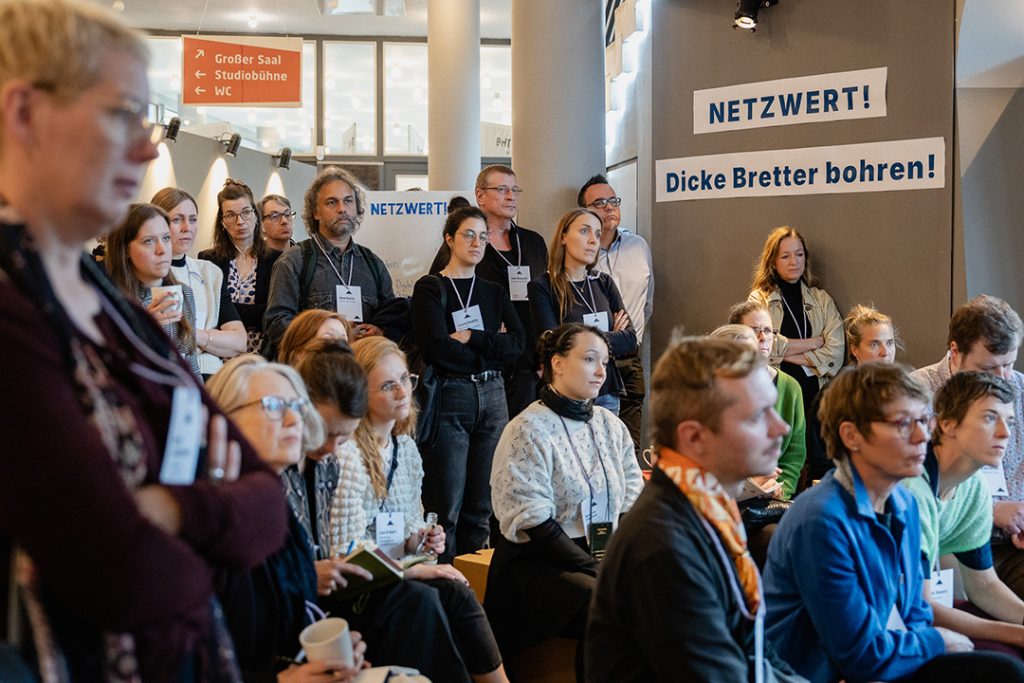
{"type": "Point", "coordinates": [809, 344]}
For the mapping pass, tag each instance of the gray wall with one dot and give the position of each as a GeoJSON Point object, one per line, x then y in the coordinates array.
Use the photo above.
{"type": "Point", "coordinates": [991, 149]}
{"type": "Point", "coordinates": [890, 248]}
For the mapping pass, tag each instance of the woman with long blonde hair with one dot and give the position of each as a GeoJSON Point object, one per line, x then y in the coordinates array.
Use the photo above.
{"type": "Point", "coordinates": [571, 291]}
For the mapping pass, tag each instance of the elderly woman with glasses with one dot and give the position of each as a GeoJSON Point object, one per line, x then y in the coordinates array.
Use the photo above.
{"type": "Point", "coordinates": [278, 221]}
{"type": "Point", "coordinates": [266, 605]}
{"type": "Point", "coordinates": [120, 527]}
{"type": "Point", "coordinates": [466, 329]}
{"type": "Point", "coordinates": [790, 405]}
{"type": "Point", "coordinates": [378, 501]}
{"type": "Point", "coordinates": [243, 256]}
{"type": "Point", "coordinates": [857, 611]}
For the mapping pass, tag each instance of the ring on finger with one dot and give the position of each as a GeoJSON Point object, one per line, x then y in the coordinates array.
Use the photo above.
{"type": "Point", "coordinates": [217, 475]}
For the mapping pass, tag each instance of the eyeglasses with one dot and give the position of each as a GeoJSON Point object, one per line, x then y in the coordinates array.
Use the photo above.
{"type": "Point", "coordinates": [278, 216]}
{"type": "Point", "coordinates": [505, 189]}
{"type": "Point", "coordinates": [133, 116]}
{"type": "Point", "coordinates": [602, 203]}
{"type": "Point", "coordinates": [407, 380]}
{"type": "Point", "coordinates": [232, 217]}
{"type": "Point", "coordinates": [905, 426]}
{"type": "Point", "coordinates": [763, 331]}
{"type": "Point", "coordinates": [471, 236]}
{"type": "Point", "coordinates": [274, 406]}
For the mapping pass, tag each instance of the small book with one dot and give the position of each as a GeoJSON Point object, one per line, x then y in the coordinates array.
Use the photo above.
{"type": "Point", "coordinates": [385, 571]}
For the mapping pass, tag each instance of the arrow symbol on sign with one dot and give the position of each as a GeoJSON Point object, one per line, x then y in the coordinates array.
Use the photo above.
{"type": "Point", "coordinates": [200, 53]}
{"type": "Point", "coordinates": [200, 74]}
{"type": "Point", "coordinates": [200, 91]}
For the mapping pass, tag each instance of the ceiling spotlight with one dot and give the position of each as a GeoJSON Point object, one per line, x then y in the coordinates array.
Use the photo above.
{"type": "Point", "coordinates": [231, 142]}
{"type": "Point", "coordinates": [172, 128]}
{"type": "Point", "coordinates": [746, 13]}
{"type": "Point", "coordinates": [284, 158]}
{"type": "Point", "coordinates": [117, 5]}
{"type": "Point", "coordinates": [253, 23]}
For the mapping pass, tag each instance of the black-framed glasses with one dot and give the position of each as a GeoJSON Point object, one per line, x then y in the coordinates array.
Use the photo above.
{"type": "Point", "coordinates": [471, 236]}
{"type": "Point", "coordinates": [232, 217]}
{"type": "Point", "coordinates": [505, 189]}
{"type": "Point", "coordinates": [278, 216]}
{"type": "Point", "coordinates": [763, 331]}
{"type": "Point", "coordinates": [605, 202]}
{"type": "Point", "coordinates": [905, 426]}
{"type": "Point", "coordinates": [274, 406]}
{"type": "Point", "coordinates": [409, 381]}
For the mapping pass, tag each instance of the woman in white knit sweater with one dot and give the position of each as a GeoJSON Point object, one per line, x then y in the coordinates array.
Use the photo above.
{"type": "Point", "coordinates": [378, 499]}
{"type": "Point", "coordinates": [563, 473]}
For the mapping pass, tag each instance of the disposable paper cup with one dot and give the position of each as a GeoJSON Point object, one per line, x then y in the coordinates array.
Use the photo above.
{"type": "Point", "coordinates": [328, 640]}
{"type": "Point", "coordinates": [175, 290]}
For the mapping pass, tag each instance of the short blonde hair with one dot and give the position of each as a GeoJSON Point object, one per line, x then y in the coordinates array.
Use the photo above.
{"type": "Point", "coordinates": [736, 332]}
{"type": "Point", "coordinates": [229, 387]}
{"type": "Point", "coordinates": [684, 384]}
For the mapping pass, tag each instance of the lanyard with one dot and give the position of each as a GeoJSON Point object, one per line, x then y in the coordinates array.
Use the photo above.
{"type": "Point", "coordinates": [617, 246]}
{"type": "Point", "coordinates": [806, 325]}
{"type": "Point", "coordinates": [586, 477]}
{"type": "Point", "coordinates": [351, 263]}
{"type": "Point", "coordinates": [469, 297]}
{"type": "Point", "coordinates": [592, 304]}
{"type": "Point", "coordinates": [391, 470]}
{"type": "Point", "coordinates": [519, 251]}
{"type": "Point", "coordinates": [173, 375]}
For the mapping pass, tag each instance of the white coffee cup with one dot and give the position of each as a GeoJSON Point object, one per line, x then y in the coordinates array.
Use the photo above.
{"type": "Point", "coordinates": [328, 640]}
{"type": "Point", "coordinates": [175, 291]}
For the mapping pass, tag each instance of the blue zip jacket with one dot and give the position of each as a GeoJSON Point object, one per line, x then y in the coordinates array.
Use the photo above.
{"type": "Point", "coordinates": [835, 571]}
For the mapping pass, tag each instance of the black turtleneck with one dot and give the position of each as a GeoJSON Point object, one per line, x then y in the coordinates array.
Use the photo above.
{"type": "Point", "coordinates": [794, 299]}
{"type": "Point", "coordinates": [565, 406]}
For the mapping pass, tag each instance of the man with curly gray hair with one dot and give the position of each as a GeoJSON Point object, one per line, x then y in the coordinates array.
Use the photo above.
{"type": "Point", "coordinates": [329, 270]}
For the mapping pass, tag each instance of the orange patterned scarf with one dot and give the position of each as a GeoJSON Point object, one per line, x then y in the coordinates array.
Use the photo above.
{"type": "Point", "coordinates": [706, 494]}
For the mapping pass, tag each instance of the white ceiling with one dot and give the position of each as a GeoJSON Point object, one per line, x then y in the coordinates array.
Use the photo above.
{"type": "Point", "coordinates": [296, 17]}
{"type": "Point", "coordinates": [990, 46]}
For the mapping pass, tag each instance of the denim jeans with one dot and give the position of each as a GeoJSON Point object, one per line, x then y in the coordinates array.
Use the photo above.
{"type": "Point", "coordinates": [457, 465]}
{"type": "Point", "coordinates": [609, 402]}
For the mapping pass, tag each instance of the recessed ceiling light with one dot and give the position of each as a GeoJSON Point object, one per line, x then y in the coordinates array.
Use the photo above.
{"type": "Point", "coordinates": [253, 23]}
{"type": "Point", "coordinates": [117, 5]}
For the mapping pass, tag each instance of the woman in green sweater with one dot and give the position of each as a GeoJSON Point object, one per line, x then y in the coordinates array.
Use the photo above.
{"type": "Point", "coordinates": [790, 407]}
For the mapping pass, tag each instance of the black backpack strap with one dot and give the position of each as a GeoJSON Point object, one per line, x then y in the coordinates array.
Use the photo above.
{"type": "Point", "coordinates": [308, 269]}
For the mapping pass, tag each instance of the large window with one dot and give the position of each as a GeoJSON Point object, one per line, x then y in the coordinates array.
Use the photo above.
{"type": "Point", "coordinates": [495, 100]}
{"type": "Point", "coordinates": [405, 98]}
{"type": "Point", "coordinates": [350, 98]}
{"type": "Point", "coordinates": [264, 128]}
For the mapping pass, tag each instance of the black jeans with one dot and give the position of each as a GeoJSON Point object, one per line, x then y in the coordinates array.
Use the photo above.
{"type": "Point", "coordinates": [457, 466]}
{"type": "Point", "coordinates": [520, 390]}
{"type": "Point", "coordinates": [632, 403]}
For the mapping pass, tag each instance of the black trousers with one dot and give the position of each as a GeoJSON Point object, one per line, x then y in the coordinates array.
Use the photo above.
{"type": "Point", "coordinates": [632, 403]}
{"type": "Point", "coordinates": [968, 666]}
{"type": "Point", "coordinates": [436, 626]}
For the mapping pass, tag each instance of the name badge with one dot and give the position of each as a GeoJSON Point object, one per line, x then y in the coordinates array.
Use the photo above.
{"type": "Point", "coordinates": [389, 533]}
{"type": "Point", "coordinates": [468, 319]}
{"type": "Point", "coordinates": [518, 278]}
{"type": "Point", "coordinates": [349, 302]}
{"type": "Point", "coordinates": [995, 477]}
{"type": "Point", "coordinates": [598, 536]}
{"type": "Point", "coordinates": [942, 587]}
{"type": "Point", "coordinates": [895, 621]}
{"type": "Point", "coordinates": [184, 436]}
{"type": "Point", "coordinates": [598, 320]}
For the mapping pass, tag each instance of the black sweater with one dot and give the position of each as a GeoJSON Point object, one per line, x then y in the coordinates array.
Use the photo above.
{"type": "Point", "coordinates": [487, 349]}
{"type": "Point", "coordinates": [251, 314]}
{"type": "Point", "coordinates": [666, 607]}
{"type": "Point", "coordinates": [494, 269]}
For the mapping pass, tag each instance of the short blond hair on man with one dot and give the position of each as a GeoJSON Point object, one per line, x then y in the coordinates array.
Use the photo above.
{"type": "Point", "coordinates": [684, 384]}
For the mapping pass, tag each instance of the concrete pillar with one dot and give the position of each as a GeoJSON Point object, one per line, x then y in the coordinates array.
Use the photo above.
{"type": "Point", "coordinates": [557, 104]}
{"type": "Point", "coordinates": [453, 54]}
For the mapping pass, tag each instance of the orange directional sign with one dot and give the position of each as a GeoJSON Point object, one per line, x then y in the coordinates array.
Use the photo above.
{"type": "Point", "coordinates": [241, 71]}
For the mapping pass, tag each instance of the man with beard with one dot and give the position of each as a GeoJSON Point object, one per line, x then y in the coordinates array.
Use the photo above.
{"type": "Point", "coordinates": [329, 270]}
